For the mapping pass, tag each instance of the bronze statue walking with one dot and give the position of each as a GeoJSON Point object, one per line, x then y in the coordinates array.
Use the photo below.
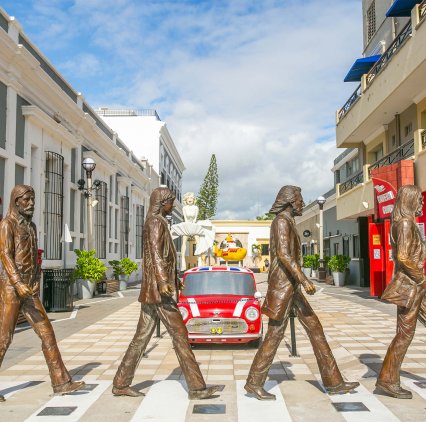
{"type": "Point", "coordinates": [158, 298]}
{"type": "Point", "coordinates": [408, 287]}
{"type": "Point", "coordinates": [20, 285]}
{"type": "Point", "coordinates": [285, 280]}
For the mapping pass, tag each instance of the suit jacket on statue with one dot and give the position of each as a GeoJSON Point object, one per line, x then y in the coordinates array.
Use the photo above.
{"type": "Point", "coordinates": [159, 253]}
{"type": "Point", "coordinates": [285, 274]}
{"type": "Point", "coordinates": [409, 254]}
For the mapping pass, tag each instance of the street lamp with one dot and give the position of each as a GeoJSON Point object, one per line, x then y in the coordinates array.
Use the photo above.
{"type": "Point", "coordinates": [89, 165]}
{"type": "Point", "coordinates": [321, 267]}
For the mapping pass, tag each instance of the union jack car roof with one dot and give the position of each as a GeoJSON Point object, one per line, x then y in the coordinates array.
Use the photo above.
{"type": "Point", "coordinates": [219, 268]}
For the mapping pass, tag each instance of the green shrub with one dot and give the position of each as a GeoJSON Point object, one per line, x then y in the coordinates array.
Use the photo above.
{"type": "Point", "coordinates": [307, 261]}
{"type": "Point", "coordinates": [124, 266]}
{"type": "Point", "coordinates": [339, 263]}
{"type": "Point", "coordinates": [88, 267]}
{"type": "Point", "coordinates": [315, 261]}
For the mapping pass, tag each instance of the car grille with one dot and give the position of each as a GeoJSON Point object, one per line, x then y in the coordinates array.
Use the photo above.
{"type": "Point", "coordinates": [228, 325]}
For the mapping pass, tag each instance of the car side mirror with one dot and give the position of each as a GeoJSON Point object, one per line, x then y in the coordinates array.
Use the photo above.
{"type": "Point", "coordinates": [257, 295]}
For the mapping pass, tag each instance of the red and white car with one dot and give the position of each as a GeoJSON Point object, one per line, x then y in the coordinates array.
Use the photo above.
{"type": "Point", "coordinates": [221, 305]}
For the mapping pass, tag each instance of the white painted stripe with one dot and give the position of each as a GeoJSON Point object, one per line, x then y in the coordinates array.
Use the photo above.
{"type": "Point", "coordinates": [411, 384]}
{"type": "Point", "coordinates": [120, 294]}
{"type": "Point", "coordinates": [166, 401]}
{"type": "Point", "coordinates": [378, 412]}
{"type": "Point", "coordinates": [252, 410]}
{"type": "Point", "coordinates": [194, 307]}
{"type": "Point", "coordinates": [239, 307]}
{"type": "Point", "coordinates": [72, 316]}
{"type": "Point", "coordinates": [9, 388]}
{"type": "Point", "coordinates": [82, 400]}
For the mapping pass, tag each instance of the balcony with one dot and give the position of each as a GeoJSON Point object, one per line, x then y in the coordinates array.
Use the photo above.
{"type": "Point", "coordinates": [390, 87]}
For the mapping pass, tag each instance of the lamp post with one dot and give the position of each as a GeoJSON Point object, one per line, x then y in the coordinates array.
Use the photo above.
{"type": "Point", "coordinates": [321, 267]}
{"type": "Point", "coordinates": [88, 165]}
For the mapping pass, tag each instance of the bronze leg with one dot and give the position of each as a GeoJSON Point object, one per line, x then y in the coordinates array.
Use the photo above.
{"type": "Point", "coordinates": [405, 328]}
{"type": "Point", "coordinates": [265, 355]}
{"type": "Point", "coordinates": [422, 313]}
{"type": "Point", "coordinates": [172, 320]}
{"type": "Point", "coordinates": [146, 325]}
{"type": "Point", "coordinates": [9, 312]}
{"type": "Point", "coordinates": [36, 315]}
{"type": "Point", "coordinates": [327, 365]}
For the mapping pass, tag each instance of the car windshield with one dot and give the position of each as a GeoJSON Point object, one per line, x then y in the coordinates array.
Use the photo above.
{"type": "Point", "coordinates": [219, 283]}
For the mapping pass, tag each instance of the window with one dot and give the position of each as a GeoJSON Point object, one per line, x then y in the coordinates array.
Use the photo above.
{"type": "Point", "coordinates": [349, 169]}
{"type": "Point", "coordinates": [111, 184]}
{"type": "Point", "coordinates": [371, 21]}
{"type": "Point", "coordinates": [101, 196]}
{"type": "Point", "coordinates": [139, 230]}
{"type": "Point", "coordinates": [408, 129]}
{"type": "Point", "coordinates": [265, 249]}
{"type": "Point", "coordinates": [124, 226]}
{"type": "Point", "coordinates": [72, 209]}
{"type": "Point", "coordinates": [73, 164]}
{"type": "Point", "coordinates": [20, 127]}
{"type": "Point", "coordinates": [336, 177]}
{"type": "Point", "coordinates": [19, 174]}
{"type": "Point", "coordinates": [53, 206]}
{"type": "Point", "coordinates": [304, 249]}
{"type": "Point", "coordinates": [336, 249]}
{"type": "Point", "coordinates": [346, 246]}
{"type": "Point", "coordinates": [3, 96]}
{"type": "Point", "coordinates": [355, 246]}
{"type": "Point", "coordinates": [163, 178]}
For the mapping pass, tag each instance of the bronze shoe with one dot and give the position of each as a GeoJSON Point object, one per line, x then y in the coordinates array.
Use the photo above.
{"type": "Point", "coordinates": [2, 398]}
{"type": "Point", "coordinates": [342, 388]}
{"type": "Point", "coordinates": [126, 391]}
{"type": "Point", "coordinates": [394, 390]}
{"type": "Point", "coordinates": [203, 394]}
{"type": "Point", "coordinates": [259, 392]}
{"type": "Point", "coordinates": [68, 388]}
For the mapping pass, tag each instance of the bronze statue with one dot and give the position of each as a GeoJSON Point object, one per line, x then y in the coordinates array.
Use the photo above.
{"type": "Point", "coordinates": [408, 287]}
{"type": "Point", "coordinates": [284, 295]}
{"type": "Point", "coordinates": [158, 297]}
{"type": "Point", "coordinates": [20, 286]}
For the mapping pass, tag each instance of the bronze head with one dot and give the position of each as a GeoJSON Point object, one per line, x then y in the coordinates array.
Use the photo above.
{"type": "Point", "coordinates": [408, 204]}
{"type": "Point", "coordinates": [161, 198]}
{"type": "Point", "coordinates": [22, 201]}
{"type": "Point", "coordinates": [288, 196]}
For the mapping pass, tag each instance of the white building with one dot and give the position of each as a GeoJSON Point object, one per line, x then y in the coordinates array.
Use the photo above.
{"type": "Point", "coordinates": [46, 130]}
{"type": "Point", "coordinates": [148, 137]}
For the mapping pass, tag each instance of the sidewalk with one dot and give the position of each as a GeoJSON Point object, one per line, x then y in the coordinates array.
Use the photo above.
{"type": "Point", "coordinates": [92, 344]}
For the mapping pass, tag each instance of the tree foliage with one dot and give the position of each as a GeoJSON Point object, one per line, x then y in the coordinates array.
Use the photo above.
{"type": "Point", "coordinates": [209, 191]}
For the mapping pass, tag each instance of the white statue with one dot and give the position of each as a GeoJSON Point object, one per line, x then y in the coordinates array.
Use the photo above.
{"type": "Point", "coordinates": [190, 210]}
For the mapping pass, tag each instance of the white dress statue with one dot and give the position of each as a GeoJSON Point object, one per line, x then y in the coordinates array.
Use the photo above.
{"type": "Point", "coordinates": [203, 231]}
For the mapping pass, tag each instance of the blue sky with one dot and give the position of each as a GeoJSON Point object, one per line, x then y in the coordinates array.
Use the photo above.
{"type": "Point", "coordinates": [255, 82]}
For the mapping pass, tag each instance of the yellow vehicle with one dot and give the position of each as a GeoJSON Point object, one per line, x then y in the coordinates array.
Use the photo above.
{"type": "Point", "coordinates": [230, 250]}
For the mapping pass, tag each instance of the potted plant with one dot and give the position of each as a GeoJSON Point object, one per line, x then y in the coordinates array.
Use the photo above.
{"type": "Point", "coordinates": [307, 265]}
{"type": "Point", "coordinates": [88, 271]}
{"type": "Point", "coordinates": [315, 265]}
{"type": "Point", "coordinates": [338, 265]}
{"type": "Point", "coordinates": [122, 269]}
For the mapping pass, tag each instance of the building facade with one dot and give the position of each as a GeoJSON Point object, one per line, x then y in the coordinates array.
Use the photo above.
{"type": "Point", "coordinates": [149, 138]}
{"type": "Point", "coordinates": [385, 120]}
{"type": "Point", "coordinates": [46, 130]}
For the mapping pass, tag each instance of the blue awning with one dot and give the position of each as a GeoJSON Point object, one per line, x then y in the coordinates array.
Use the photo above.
{"type": "Point", "coordinates": [361, 67]}
{"type": "Point", "coordinates": [401, 8]}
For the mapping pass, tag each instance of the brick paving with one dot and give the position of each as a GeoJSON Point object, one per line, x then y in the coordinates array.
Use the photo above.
{"type": "Point", "coordinates": [358, 328]}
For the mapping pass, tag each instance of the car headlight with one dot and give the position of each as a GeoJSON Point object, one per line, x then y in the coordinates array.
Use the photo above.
{"type": "Point", "coordinates": [252, 313]}
{"type": "Point", "coordinates": [184, 312]}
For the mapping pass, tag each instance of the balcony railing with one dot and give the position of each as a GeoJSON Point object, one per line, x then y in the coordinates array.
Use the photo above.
{"type": "Point", "coordinates": [401, 153]}
{"type": "Point", "coordinates": [422, 10]}
{"type": "Point", "coordinates": [424, 139]}
{"type": "Point", "coordinates": [352, 100]}
{"type": "Point", "coordinates": [397, 43]}
{"type": "Point", "coordinates": [349, 184]}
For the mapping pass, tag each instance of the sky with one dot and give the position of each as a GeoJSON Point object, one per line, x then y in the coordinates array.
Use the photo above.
{"type": "Point", "coordinates": [257, 83]}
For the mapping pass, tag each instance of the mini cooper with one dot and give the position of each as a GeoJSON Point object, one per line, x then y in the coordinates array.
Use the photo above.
{"type": "Point", "coordinates": [221, 305]}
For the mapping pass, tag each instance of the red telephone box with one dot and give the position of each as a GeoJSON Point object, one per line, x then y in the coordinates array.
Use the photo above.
{"type": "Point", "coordinates": [376, 247]}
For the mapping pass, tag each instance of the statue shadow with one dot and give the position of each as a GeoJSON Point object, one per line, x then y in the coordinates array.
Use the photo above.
{"type": "Point", "coordinates": [18, 387]}
{"type": "Point", "coordinates": [82, 370]}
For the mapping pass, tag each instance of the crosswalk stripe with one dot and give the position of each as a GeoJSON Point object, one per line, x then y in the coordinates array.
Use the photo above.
{"type": "Point", "coordinates": [377, 411]}
{"type": "Point", "coordinates": [252, 410]}
{"type": "Point", "coordinates": [414, 385]}
{"type": "Point", "coordinates": [166, 401]}
{"type": "Point", "coordinates": [80, 400]}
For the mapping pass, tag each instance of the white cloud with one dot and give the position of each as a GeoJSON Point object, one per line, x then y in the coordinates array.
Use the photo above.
{"type": "Point", "coordinates": [256, 83]}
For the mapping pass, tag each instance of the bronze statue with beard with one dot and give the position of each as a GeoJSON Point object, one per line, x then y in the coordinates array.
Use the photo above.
{"type": "Point", "coordinates": [284, 295]}
{"type": "Point", "coordinates": [20, 285]}
{"type": "Point", "coordinates": [408, 286]}
{"type": "Point", "coordinates": [158, 298]}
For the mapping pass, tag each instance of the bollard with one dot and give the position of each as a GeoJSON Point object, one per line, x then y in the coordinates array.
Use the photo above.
{"type": "Point", "coordinates": [158, 329]}
{"type": "Point", "coordinates": [293, 337]}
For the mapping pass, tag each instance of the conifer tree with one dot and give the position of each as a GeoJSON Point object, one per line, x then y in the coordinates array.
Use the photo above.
{"type": "Point", "coordinates": [207, 196]}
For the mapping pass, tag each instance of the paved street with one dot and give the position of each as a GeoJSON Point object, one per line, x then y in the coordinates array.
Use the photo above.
{"type": "Point", "coordinates": [93, 338]}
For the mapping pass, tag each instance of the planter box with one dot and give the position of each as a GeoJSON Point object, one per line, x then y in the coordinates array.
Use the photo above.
{"type": "Point", "coordinates": [339, 279]}
{"type": "Point", "coordinates": [85, 289]}
{"type": "Point", "coordinates": [307, 271]}
{"type": "Point", "coordinates": [123, 279]}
